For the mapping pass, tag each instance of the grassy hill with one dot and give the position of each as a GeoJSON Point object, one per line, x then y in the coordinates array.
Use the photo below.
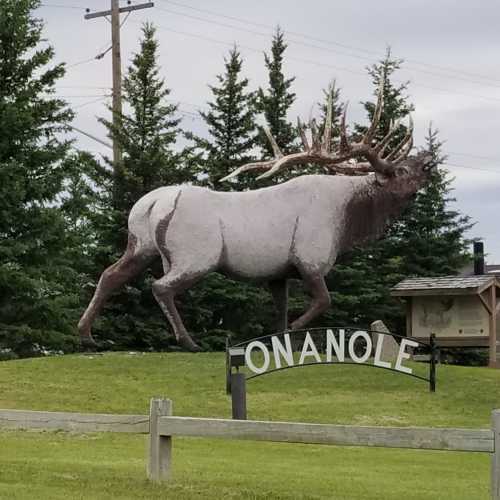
{"type": "Point", "coordinates": [62, 465]}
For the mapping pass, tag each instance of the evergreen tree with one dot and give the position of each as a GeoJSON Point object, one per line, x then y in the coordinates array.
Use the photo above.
{"type": "Point", "coordinates": [396, 102]}
{"type": "Point", "coordinates": [231, 125]}
{"type": "Point", "coordinates": [332, 94]}
{"type": "Point", "coordinates": [429, 236]}
{"type": "Point", "coordinates": [427, 240]}
{"type": "Point", "coordinates": [38, 285]}
{"type": "Point", "coordinates": [147, 133]}
{"type": "Point", "coordinates": [276, 100]}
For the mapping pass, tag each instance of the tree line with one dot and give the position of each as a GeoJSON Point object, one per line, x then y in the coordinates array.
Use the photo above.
{"type": "Point", "coordinates": [63, 211]}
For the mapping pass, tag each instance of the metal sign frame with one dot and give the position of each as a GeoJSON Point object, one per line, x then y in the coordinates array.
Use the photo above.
{"type": "Point", "coordinates": [236, 380]}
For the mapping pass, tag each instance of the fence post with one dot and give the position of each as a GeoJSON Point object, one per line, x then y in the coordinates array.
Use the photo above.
{"type": "Point", "coordinates": [160, 447]}
{"type": "Point", "coordinates": [495, 457]}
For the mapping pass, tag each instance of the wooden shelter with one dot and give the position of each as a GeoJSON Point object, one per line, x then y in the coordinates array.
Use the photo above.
{"type": "Point", "coordinates": [460, 311]}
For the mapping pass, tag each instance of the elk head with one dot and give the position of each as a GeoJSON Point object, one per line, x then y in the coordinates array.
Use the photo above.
{"type": "Point", "coordinates": [396, 171]}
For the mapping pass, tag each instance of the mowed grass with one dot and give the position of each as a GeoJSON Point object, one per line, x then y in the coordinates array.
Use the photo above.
{"type": "Point", "coordinates": [63, 465]}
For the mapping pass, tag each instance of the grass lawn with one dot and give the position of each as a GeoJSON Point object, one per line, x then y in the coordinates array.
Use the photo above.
{"type": "Point", "coordinates": [62, 465]}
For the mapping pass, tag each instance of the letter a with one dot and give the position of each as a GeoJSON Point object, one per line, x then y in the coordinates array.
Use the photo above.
{"type": "Point", "coordinates": [309, 349]}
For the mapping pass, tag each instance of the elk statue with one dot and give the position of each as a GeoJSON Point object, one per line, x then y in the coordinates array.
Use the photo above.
{"type": "Point", "coordinates": [296, 229]}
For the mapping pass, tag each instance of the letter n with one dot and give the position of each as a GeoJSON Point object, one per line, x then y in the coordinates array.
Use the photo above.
{"type": "Point", "coordinates": [282, 350]}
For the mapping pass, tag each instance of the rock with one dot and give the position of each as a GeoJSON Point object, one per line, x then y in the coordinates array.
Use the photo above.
{"type": "Point", "coordinates": [390, 348]}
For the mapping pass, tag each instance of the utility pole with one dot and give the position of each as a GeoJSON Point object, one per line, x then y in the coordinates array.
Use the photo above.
{"type": "Point", "coordinates": [114, 13]}
{"type": "Point", "coordinates": [117, 74]}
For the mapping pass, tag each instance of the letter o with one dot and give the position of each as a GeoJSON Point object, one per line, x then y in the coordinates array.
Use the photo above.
{"type": "Point", "coordinates": [369, 346]}
{"type": "Point", "coordinates": [248, 357]}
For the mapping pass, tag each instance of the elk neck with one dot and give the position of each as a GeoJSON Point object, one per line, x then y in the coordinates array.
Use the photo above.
{"type": "Point", "coordinates": [371, 208]}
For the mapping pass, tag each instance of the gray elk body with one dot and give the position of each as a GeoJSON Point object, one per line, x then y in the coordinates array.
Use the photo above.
{"type": "Point", "coordinates": [264, 234]}
{"type": "Point", "coordinates": [294, 229]}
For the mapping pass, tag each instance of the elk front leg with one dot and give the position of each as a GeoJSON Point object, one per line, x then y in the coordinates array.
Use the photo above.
{"type": "Point", "coordinates": [165, 290]}
{"type": "Point", "coordinates": [316, 287]}
{"type": "Point", "coordinates": [279, 291]}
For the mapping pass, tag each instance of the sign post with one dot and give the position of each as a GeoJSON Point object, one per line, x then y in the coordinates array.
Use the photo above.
{"type": "Point", "coordinates": [237, 383]}
{"type": "Point", "coordinates": [239, 396]}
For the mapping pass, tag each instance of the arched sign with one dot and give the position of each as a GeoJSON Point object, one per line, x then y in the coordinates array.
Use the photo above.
{"type": "Point", "coordinates": [333, 345]}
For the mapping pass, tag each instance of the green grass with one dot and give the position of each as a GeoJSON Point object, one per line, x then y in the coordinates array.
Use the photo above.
{"type": "Point", "coordinates": [63, 465]}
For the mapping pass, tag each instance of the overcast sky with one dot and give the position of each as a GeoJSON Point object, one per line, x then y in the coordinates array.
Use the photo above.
{"type": "Point", "coordinates": [451, 49]}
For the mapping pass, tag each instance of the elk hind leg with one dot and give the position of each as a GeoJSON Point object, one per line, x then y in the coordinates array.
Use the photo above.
{"type": "Point", "coordinates": [131, 264]}
{"type": "Point", "coordinates": [316, 287]}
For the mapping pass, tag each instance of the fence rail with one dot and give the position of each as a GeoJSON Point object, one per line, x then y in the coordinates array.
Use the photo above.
{"type": "Point", "coordinates": [74, 422]}
{"type": "Point", "coordinates": [162, 427]}
{"type": "Point", "coordinates": [480, 440]}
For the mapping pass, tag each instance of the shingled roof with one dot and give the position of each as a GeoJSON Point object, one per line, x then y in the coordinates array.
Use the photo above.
{"type": "Point", "coordinates": [443, 285]}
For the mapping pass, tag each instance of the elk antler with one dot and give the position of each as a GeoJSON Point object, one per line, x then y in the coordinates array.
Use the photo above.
{"type": "Point", "coordinates": [318, 150]}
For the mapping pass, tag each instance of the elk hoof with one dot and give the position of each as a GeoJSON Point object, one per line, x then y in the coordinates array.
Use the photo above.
{"type": "Point", "coordinates": [87, 342]}
{"type": "Point", "coordinates": [186, 342]}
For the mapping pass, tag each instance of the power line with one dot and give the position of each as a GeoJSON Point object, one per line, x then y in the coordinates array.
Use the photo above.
{"type": "Point", "coordinates": [93, 137]}
{"type": "Point", "coordinates": [479, 157]}
{"type": "Point", "coordinates": [325, 65]}
{"type": "Point", "coordinates": [65, 96]}
{"type": "Point", "coordinates": [253, 49]}
{"type": "Point", "coordinates": [189, 114]}
{"type": "Point", "coordinates": [85, 61]}
{"type": "Point", "coordinates": [316, 63]}
{"type": "Point", "coordinates": [492, 171]}
{"type": "Point", "coordinates": [90, 102]}
{"type": "Point", "coordinates": [317, 47]}
{"type": "Point", "coordinates": [83, 87]}
{"type": "Point", "coordinates": [330, 42]}
{"type": "Point", "coordinates": [196, 116]}
{"type": "Point", "coordinates": [59, 6]}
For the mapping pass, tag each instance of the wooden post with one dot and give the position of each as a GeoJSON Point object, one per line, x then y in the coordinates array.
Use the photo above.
{"type": "Point", "coordinates": [495, 457]}
{"type": "Point", "coordinates": [409, 316]}
{"type": "Point", "coordinates": [493, 327]}
{"type": "Point", "coordinates": [160, 447]}
{"type": "Point", "coordinates": [117, 77]}
{"type": "Point", "coordinates": [239, 396]}
{"type": "Point", "coordinates": [114, 12]}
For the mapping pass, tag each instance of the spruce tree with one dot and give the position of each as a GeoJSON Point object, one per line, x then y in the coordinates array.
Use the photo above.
{"type": "Point", "coordinates": [396, 101]}
{"type": "Point", "coordinates": [275, 101]}
{"type": "Point", "coordinates": [429, 236]}
{"type": "Point", "coordinates": [231, 126]}
{"type": "Point", "coordinates": [147, 133]}
{"type": "Point", "coordinates": [38, 284]}
{"type": "Point", "coordinates": [427, 240]}
{"type": "Point", "coordinates": [331, 95]}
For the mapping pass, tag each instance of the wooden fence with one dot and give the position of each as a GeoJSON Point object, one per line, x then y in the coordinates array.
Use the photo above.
{"type": "Point", "coordinates": [162, 426]}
